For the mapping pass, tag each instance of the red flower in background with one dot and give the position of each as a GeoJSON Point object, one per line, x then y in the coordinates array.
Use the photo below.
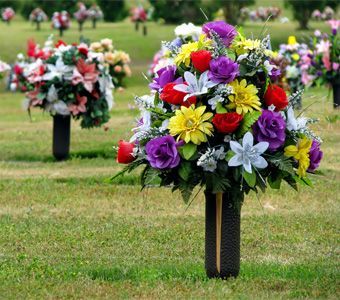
{"type": "Point", "coordinates": [125, 150]}
{"type": "Point", "coordinates": [172, 96]}
{"type": "Point", "coordinates": [201, 60]}
{"type": "Point", "coordinates": [227, 123]}
{"type": "Point", "coordinates": [276, 96]}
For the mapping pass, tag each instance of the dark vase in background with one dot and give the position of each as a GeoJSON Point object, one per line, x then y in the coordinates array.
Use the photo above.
{"type": "Point", "coordinates": [336, 94]}
{"type": "Point", "coordinates": [61, 136]}
{"type": "Point", "coordinates": [222, 234]}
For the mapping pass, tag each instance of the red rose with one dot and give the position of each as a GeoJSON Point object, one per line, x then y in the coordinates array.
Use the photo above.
{"type": "Point", "coordinates": [201, 60]}
{"type": "Point", "coordinates": [83, 50]}
{"type": "Point", "coordinates": [172, 96]}
{"type": "Point", "coordinates": [276, 96]}
{"type": "Point", "coordinates": [124, 154]}
{"type": "Point", "coordinates": [227, 123]}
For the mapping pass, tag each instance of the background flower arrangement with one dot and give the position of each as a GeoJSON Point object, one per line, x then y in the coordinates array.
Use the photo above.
{"type": "Point", "coordinates": [61, 21]}
{"type": "Point", "coordinates": [117, 61]}
{"type": "Point", "coordinates": [38, 16]}
{"type": "Point", "coordinates": [95, 14]}
{"type": "Point", "coordinates": [81, 15]}
{"type": "Point", "coordinates": [7, 14]}
{"type": "Point", "coordinates": [71, 81]}
{"type": "Point", "coordinates": [4, 67]}
{"type": "Point", "coordinates": [215, 119]}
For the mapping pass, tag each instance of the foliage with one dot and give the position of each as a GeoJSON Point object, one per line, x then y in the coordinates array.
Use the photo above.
{"type": "Point", "coordinates": [113, 10]}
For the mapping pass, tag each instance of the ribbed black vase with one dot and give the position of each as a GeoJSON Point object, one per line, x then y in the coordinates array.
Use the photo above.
{"type": "Point", "coordinates": [61, 136]}
{"type": "Point", "coordinates": [336, 95]}
{"type": "Point", "coordinates": [222, 234]}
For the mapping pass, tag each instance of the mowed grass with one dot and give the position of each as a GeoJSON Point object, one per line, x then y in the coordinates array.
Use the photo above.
{"type": "Point", "coordinates": [66, 233]}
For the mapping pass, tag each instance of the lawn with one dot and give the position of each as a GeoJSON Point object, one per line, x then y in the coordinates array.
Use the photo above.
{"type": "Point", "coordinates": [66, 233]}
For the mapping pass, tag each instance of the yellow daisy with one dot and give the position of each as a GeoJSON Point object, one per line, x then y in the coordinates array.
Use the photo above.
{"type": "Point", "coordinates": [292, 40]}
{"type": "Point", "coordinates": [184, 55]}
{"type": "Point", "coordinates": [191, 124]}
{"type": "Point", "coordinates": [244, 98]}
{"type": "Point", "coordinates": [301, 153]}
{"type": "Point", "coordinates": [242, 45]}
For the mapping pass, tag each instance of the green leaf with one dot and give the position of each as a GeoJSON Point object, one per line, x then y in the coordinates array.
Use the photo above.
{"type": "Point", "coordinates": [185, 170]}
{"type": "Point", "coordinates": [229, 155]}
{"type": "Point", "coordinates": [248, 120]}
{"type": "Point", "coordinates": [282, 162]}
{"type": "Point", "coordinates": [250, 178]}
{"type": "Point", "coordinates": [220, 109]}
{"type": "Point", "coordinates": [274, 181]}
{"type": "Point", "coordinates": [188, 150]}
{"type": "Point", "coordinates": [231, 54]}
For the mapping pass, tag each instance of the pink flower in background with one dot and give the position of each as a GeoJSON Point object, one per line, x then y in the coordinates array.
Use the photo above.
{"type": "Point", "coordinates": [326, 61]}
{"type": "Point", "coordinates": [306, 78]}
{"type": "Point", "coordinates": [85, 74]}
{"type": "Point", "coordinates": [32, 96]}
{"type": "Point", "coordinates": [334, 24]}
{"type": "Point", "coordinates": [80, 107]}
{"type": "Point", "coordinates": [336, 66]}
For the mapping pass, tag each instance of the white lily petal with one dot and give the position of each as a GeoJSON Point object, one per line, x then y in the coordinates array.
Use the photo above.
{"type": "Point", "coordinates": [236, 147]}
{"type": "Point", "coordinates": [247, 165]}
{"type": "Point", "coordinates": [182, 88]}
{"type": "Point", "coordinates": [191, 79]}
{"type": "Point", "coordinates": [261, 147]}
{"type": "Point", "coordinates": [235, 161]}
{"type": "Point", "coordinates": [260, 163]}
{"type": "Point", "coordinates": [248, 140]}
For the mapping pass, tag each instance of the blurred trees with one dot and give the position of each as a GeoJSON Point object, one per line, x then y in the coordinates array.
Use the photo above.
{"type": "Point", "coordinates": [113, 10]}
{"type": "Point", "coordinates": [302, 9]}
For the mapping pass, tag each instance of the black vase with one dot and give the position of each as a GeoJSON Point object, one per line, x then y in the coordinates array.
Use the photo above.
{"type": "Point", "coordinates": [222, 234]}
{"type": "Point", "coordinates": [61, 136]}
{"type": "Point", "coordinates": [336, 95]}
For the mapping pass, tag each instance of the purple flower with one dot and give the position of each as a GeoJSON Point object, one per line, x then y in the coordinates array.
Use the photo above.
{"type": "Point", "coordinates": [315, 156]}
{"type": "Point", "coordinates": [270, 127]}
{"type": "Point", "coordinates": [162, 152]}
{"type": "Point", "coordinates": [275, 74]}
{"type": "Point", "coordinates": [223, 70]}
{"type": "Point", "coordinates": [177, 42]}
{"type": "Point", "coordinates": [225, 31]}
{"type": "Point", "coordinates": [164, 76]}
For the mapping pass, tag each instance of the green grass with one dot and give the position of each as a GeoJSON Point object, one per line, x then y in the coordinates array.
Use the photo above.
{"type": "Point", "coordinates": [66, 233]}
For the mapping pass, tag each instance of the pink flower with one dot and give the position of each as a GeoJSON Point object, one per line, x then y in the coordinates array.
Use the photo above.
{"type": "Point", "coordinates": [306, 78]}
{"type": "Point", "coordinates": [334, 24]}
{"type": "Point", "coordinates": [323, 46]}
{"type": "Point", "coordinates": [85, 74]}
{"type": "Point", "coordinates": [326, 61]}
{"type": "Point", "coordinates": [336, 66]}
{"type": "Point", "coordinates": [80, 107]}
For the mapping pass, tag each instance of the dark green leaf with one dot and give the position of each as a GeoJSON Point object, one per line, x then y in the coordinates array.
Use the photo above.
{"type": "Point", "coordinates": [248, 120]}
{"type": "Point", "coordinates": [250, 178]}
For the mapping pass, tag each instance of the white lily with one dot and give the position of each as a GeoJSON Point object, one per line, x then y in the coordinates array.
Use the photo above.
{"type": "Point", "coordinates": [59, 70]}
{"type": "Point", "coordinates": [144, 124]}
{"type": "Point", "coordinates": [294, 124]}
{"type": "Point", "coordinates": [194, 86]}
{"type": "Point", "coordinates": [248, 154]}
{"type": "Point", "coordinates": [54, 105]}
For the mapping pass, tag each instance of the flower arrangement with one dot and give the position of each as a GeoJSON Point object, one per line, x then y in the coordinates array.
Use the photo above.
{"type": "Point", "coordinates": [293, 60]}
{"type": "Point", "coordinates": [3, 68]}
{"type": "Point", "coordinates": [37, 16]}
{"type": "Point", "coordinates": [71, 82]}
{"type": "Point", "coordinates": [61, 21]}
{"type": "Point", "coordinates": [260, 14]}
{"type": "Point", "coordinates": [327, 14]}
{"type": "Point", "coordinates": [81, 15]}
{"type": "Point", "coordinates": [325, 62]}
{"type": "Point", "coordinates": [117, 61]}
{"type": "Point", "coordinates": [95, 14]}
{"type": "Point", "coordinates": [7, 14]}
{"type": "Point", "coordinates": [215, 119]}
{"type": "Point", "coordinates": [184, 33]}
{"type": "Point", "coordinates": [138, 14]}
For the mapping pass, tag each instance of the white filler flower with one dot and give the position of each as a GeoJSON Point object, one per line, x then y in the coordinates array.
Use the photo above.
{"type": "Point", "coordinates": [248, 155]}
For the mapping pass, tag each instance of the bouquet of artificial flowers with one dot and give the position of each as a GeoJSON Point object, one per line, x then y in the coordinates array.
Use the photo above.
{"type": "Point", "coordinates": [71, 81]}
{"type": "Point", "coordinates": [294, 61]}
{"type": "Point", "coordinates": [38, 15]}
{"type": "Point", "coordinates": [81, 15]}
{"type": "Point", "coordinates": [117, 61]}
{"type": "Point", "coordinates": [325, 63]}
{"type": "Point", "coordinates": [61, 21]}
{"type": "Point", "coordinates": [215, 119]}
{"type": "Point", "coordinates": [95, 14]}
{"type": "Point", "coordinates": [7, 14]}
